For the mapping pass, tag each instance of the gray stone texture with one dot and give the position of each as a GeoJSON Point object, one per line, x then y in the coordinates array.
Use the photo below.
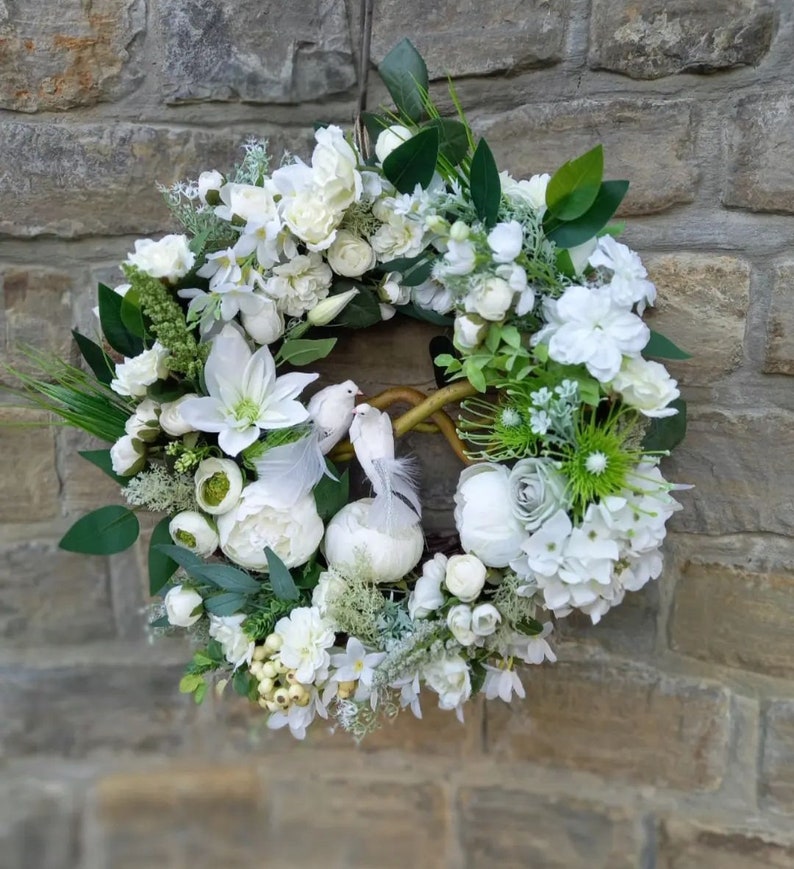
{"type": "Point", "coordinates": [654, 38]}
{"type": "Point", "coordinates": [777, 759]}
{"type": "Point", "coordinates": [779, 351]}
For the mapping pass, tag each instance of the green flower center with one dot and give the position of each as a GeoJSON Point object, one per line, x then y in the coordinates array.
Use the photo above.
{"type": "Point", "coordinates": [247, 411]}
{"type": "Point", "coordinates": [215, 489]}
{"type": "Point", "coordinates": [186, 539]}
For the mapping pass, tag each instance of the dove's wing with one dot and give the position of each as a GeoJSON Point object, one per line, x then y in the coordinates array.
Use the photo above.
{"type": "Point", "coordinates": [288, 472]}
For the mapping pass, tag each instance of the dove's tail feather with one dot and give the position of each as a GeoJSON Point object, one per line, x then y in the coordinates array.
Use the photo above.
{"type": "Point", "coordinates": [292, 470]}
{"type": "Point", "coordinates": [396, 503]}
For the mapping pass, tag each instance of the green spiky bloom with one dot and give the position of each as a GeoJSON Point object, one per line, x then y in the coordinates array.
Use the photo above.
{"type": "Point", "coordinates": [499, 432]}
{"type": "Point", "coordinates": [169, 326]}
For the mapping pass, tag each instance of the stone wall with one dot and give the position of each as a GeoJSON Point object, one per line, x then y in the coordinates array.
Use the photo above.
{"type": "Point", "coordinates": [665, 736]}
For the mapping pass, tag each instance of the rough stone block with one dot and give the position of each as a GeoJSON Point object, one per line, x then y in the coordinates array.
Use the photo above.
{"type": "Point", "coordinates": [780, 325]}
{"type": "Point", "coordinates": [470, 38]}
{"type": "Point", "coordinates": [738, 485]}
{"type": "Point", "coordinates": [624, 723]}
{"type": "Point", "coordinates": [701, 306]}
{"type": "Point", "coordinates": [513, 830]}
{"type": "Point", "coordinates": [100, 179]}
{"type": "Point", "coordinates": [737, 617]}
{"type": "Point", "coordinates": [685, 846]}
{"type": "Point", "coordinates": [776, 786]}
{"type": "Point", "coordinates": [654, 38]}
{"type": "Point", "coordinates": [79, 710]}
{"type": "Point", "coordinates": [552, 133]}
{"type": "Point", "coordinates": [758, 175]}
{"type": "Point", "coordinates": [29, 483]}
{"type": "Point", "coordinates": [263, 53]}
{"type": "Point", "coordinates": [84, 486]}
{"type": "Point", "coordinates": [53, 596]}
{"type": "Point", "coordinates": [69, 53]}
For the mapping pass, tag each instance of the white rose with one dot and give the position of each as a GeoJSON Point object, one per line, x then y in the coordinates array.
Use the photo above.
{"type": "Point", "coordinates": [469, 331]}
{"type": "Point", "coordinates": [227, 630]}
{"type": "Point", "coordinates": [532, 192]}
{"type": "Point", "coordinates": [427, 596]}
{"type": "Point", "coordinates": [135, 374]}
{"type": "Point", "coordinates": [143, 423]}
{"type": "Point", "coordinates": [484, 516]}
{"type": "Point", "coordinates": [646, 386]}
{"type": "Point", "coordinates": [127, 456]}
{"type": "Point", "coordinates": [300, 284]}
{"type": "Point", "coordinates": [506, 241]}
{"type": "Point", "coordinates": [293, 534]}
{"type": "Point", "coordinates": [485, 619]}
{"type": "Point", "coordinates": [267, 325]}
{"type": "Point", "coordinates": [193, 531]}
{"type": "Point", "coordinates": [389, 557]}
{"type": "Point", "coordinates": [329, 586]}
{"type": "Point", "coordinates": [389, 139]}
{"type": "Point", "coordinates": [537, 491]}
{"type": "Point", "coordinates": [180, 603]}
{"type": "Point", "coordinates": [169, 258]}
{"type": "Point", "coordinates": [312, 219]}
{"type": "Point", "coordinates": [349, 255]}
{"type": "Point", "coordinates": [171, 421]}
{"type": "Point", "coordinates": [449, 677]}
{"type": "Point", "coordinates": [219, 484]}
{"type": "Point", "coordinates": [248, 202]}
{"type": "Point", "coordinates": [334, 168]}
{"type": "Point", "coordinates": [459, 623]}
{"type": "Point", "coordinates": [209, 185]}
{"type": "Point", "coordinates": [490, 298]}
{"type": "Point", "coordinates": [465, 577]}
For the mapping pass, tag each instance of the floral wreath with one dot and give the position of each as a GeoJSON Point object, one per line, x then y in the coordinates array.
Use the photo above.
{"type": "Point", "coordinates": [316, 606]}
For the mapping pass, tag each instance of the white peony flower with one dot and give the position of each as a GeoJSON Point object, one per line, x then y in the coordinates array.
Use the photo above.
{"type": "Point", "coordinates": [266, 325]}
{"type": "Point", "coordinates": [537, 491]}
{"type": "Point", "coordinates": [629, 284]}
{"type": "Point", "coordinates": [469, 331]}
{"type": "Point", "coordinates": [351, 544]}
{"type": "Point", "coordinates": [219, 484]}
{"type": "Point", "coordinates": [465, 577]}
{"type": "Point", "coordinates": [228, 631]}
{"type": "Point", "coordinates": [171, 421]}
{"type": "Point", "coordinates": [426, 596]}
{"type": "Point", "coordinates": [334, 168]}
{"type": "Point", "coordinates": [449, 677]}
{"type": "Point", "coordinates": [293, 534]}
{"type": "Point", "coordinates": [390, 139]}
{"type": "Point", "coordinates": [134, 374]}
{"type": "Point", "coordinates": [490, 297]}
{"type": "Point", "coordinates": [143, 424]}
{"type": "Point", "coordinates": [485, 619]}
{"type": "Point", "coordinates": [193, 531]}
{"type": "Point", "coordinates": [298, 285]}
{"type": "Point", "coordinates": [306, 638]}
{"type": "Point", "coordinates": [127, 456]}
{"type": "Point", "coordinates": [459, 623]}
{"type": "Point", "coordinates": [484, 516]}
{"type": "Point", "coordinates": [180, 606]}
{"type": "Point", "coordinates": [646, 386]}
{"type": "Point", "coordinates": [350, 255]}
{"type": "Point", "coordinates": [170, 258]}
{"type": "Point", "coordinates": [506, 241]}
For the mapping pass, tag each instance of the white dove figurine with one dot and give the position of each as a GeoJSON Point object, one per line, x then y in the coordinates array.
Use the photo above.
{"type": "Point", "coordinates": [396, 503]}
{"type": "Point", "coordinates": [331, 410]}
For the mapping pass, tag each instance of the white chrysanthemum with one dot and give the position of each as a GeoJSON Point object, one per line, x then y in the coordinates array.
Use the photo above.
{"type": "Point", "coordinates": [298, 285]}
{"type": "Point", "coordinates": [306, 638]}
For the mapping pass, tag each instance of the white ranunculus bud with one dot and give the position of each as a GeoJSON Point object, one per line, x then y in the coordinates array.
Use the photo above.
{"type": "Point", "coordinates": [388, 557]}
{"type": "Point", "coordinates": [427, 596]}
{"type": "Point", "coordinates": [465, 577]}
{"type": "Point", "coordinates": [491, 298]}
{"type": "Point", "coordinates": [459, 622]}
{"type": "Point", "coordinates": [193, 531]}
{"type": "Point", "coordinates": [470, 331]}
{"type": "Point", "coordinates": [267, 325]}
{"type": "Point", "coordinates": [390, 139]}
{"type": "Point", "coordinates": [127, 456]}
{"type": "Point", "coordinates": [646, 386]}
{"type": "Point", "coordinates": [209, 185]}
{"type": "Point", "coordinates": [329, 309]}
{"type": "Point", "coordinates": [170, 258]}
{"type": "Point", "coordinates": [143, 423]}
{"type": "Point", "coordinates": [219, 483]}
{"type": "Point", "coordinates": [134, 374]}
{"type": "Point", "coordinates": [506, 241]}
{"type": "Point", "coordinates": [171, 421]}
{"type": "Point", "coordinates": [485, 619]}
{"type": "Point", "coordinates": [180, 604]}
{"type": "Point", "coordinates": [350, 255]}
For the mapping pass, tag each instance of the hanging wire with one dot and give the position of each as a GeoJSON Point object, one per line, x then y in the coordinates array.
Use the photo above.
{"type": "Point", "coordinates": [365, 41]}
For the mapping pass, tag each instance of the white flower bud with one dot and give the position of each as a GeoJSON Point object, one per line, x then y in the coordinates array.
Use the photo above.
{"type": "Point", "coordinates": [459, 622]}
{"type": "Point", "coordinates": [219, 483]}
{"type": "Point", "coordinates": [485, 619]}
{"type": "Point", "coordinates": [390, 139]}
{"type": "Point", "coordinates": [387, 311]}
{"type": "Point", "coordinates": [459, 231]}
{"type": "Point", "coordinates": [465, 577]}
{"type": "Point", "coordinates": [267, 325]}
{"type": "Point", "coordinates": [437, 224]}
{"type": "Point", "coordinates": [127, 456]}
{"type": "Point", "coordinates": [209, 185]}
{"type": "Point", "coordinates": [392, 292]}
{"type": "Point", "coordinates": [469, 332]}
{"type": "Point", "coordinates": [171, 421]}
{"type": "Point", "coordinates": [143, 423]}
{"type": "Point", "coordinates": [193, 531]}
{"type": "Point", "coordinates": [180, 603]}
{"type": "Point", "coordinates": [329, 309]}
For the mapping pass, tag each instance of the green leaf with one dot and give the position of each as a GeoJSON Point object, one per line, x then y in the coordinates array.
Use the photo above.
{"type": "Point", "coordinates": [574, 186]}
{"type": "Point", "coordinates": [281, 580]}
{"type": "Point", "coordinates": [102, 460]}
{"type": "Point", "coordinates": [663, 348]}
{"type": "Point", "coordinates": [486, 187]}
{"type": "Point", "coordinates": [666, 433]}
{"type": "Point", "coordinates": [166, 390]}
{"type": "Point", "coordinates": [590, 391]}
{"type": "Point", "coordinates": [413, 162]}
{"type": "Point", "coordinates": [190, 682]}
{"type": "Point", "coordinates": [362, 311]}
{"type": "Point", "coordinates": [200, 693]}
{"type": "Point", "coordinates": [183, 557]}
{"type": "Point", "coordinates": [416, 313]}
{"type": "Point", "coordinates": [242, 682]}
{"type": "Point", "coordinates": [575, 232]}
{"type": "Point", "coordinates": [132, 316]}
{"type": "Point", "coordinates": [374, 124]}
{"type": "Point", "coordinates": [565, 263]}
{"type": "Point", "coordinates": [162, 622]}
{"type": "Point", "coordinates": [304, 351]}
{"type": "Point", "coordinates": [227, 577]}
{"type": "Point", "coordinates": [96, 358]}
{"type": "Point", "coordinates": [453, 139]}
{"type": "Point", "coordinates": [331, 495]}
{"type": "Point", "coordinates": [161, 567]}
{"type": "Point", "coordinates": [413, 271]}
{"type": "Point", "coordinates": [113, 328]}
{"type": "Point", "coordinates": [474, 375]}
{"type": "Point", "coordinates": [404, 73]}
{"type": "Point", "coordinates": [225, 604]}
{"type": "Point", "coordinates": [102, 532]}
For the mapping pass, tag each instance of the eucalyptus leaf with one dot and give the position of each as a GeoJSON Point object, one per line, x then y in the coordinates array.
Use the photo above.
{"type": "Point", "coordinates": [413, 162]}
{"type": "Point", "coordinates": [574, 186]}
{"type": "Point", "coordinates": [161, 566]}
{"type": "Point", "coordinates": [183, 557]}
{"type": "Point", "coordinates": [663, 348]}
{"type": "Point", "coordinates": [304, 351]}
{"type": "Point", "coordinates": [404, 73]}
{"type": "Point", "coordinates": [96, 358]}
{"type": "Point", "coordinates": [227, 577]}
{"type": "Point", "coordinates": [113, 328]}
{"type": "Point", "coordinates": [281, 580]}
{"type": "Point", "coordinates": [225, 604]}
{"type": "Point", "coordinates": [102, 532]}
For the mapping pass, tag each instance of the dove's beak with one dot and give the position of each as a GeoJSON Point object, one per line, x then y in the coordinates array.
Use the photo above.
{"type": "Point", "coordinates": [359, 392]}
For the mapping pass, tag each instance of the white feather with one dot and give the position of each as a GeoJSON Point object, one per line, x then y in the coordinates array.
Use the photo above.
{"type": "Point", "coordinates": [290, 471]}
